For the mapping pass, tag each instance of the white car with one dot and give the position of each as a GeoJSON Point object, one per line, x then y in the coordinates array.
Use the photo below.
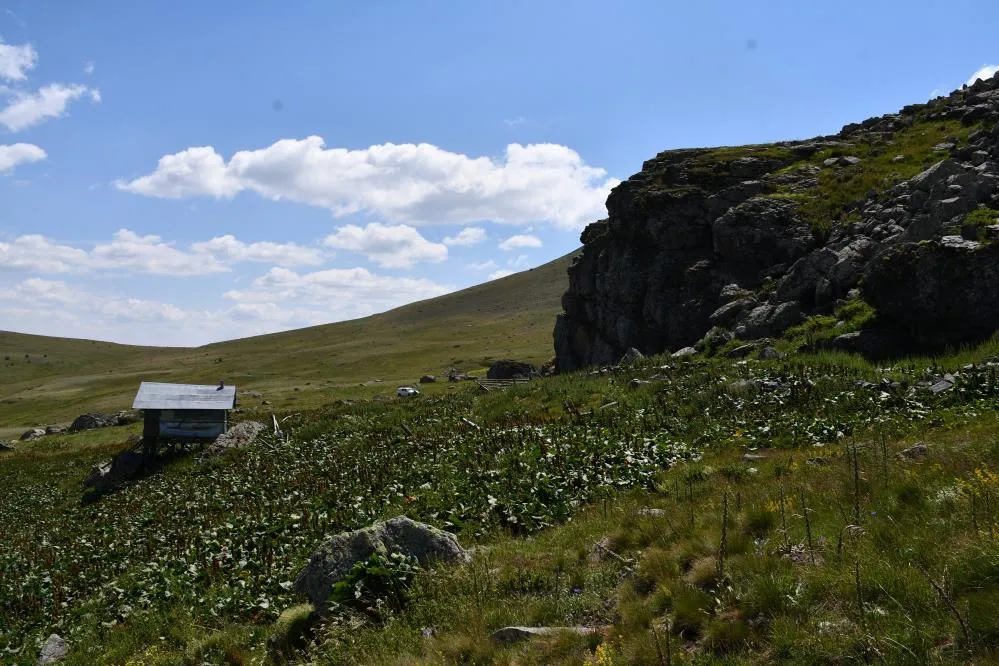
{"type": "Point", "coordinates": [406, 391]}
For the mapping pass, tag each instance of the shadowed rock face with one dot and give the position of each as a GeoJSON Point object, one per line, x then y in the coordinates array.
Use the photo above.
{"type": "Point", "coordinates": [728, 240]}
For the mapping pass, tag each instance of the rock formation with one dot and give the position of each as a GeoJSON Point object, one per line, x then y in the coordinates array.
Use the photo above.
{"type": "Point", "coordinates": [335, 558]}
{"type": "Point", "coordinates": [704, 246]}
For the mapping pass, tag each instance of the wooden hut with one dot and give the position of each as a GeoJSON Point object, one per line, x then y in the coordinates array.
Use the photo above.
{"type": "Point", "coordinates": [184, 411]}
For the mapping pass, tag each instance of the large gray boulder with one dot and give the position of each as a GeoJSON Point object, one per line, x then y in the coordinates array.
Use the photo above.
{"type": "Point", "coordinates": [337, 556]}
{"type": "Point", "coordinates": [54, 650]}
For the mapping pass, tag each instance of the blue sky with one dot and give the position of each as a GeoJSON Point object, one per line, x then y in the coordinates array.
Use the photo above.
{"type": "Point", "coordinates": [185, 172]}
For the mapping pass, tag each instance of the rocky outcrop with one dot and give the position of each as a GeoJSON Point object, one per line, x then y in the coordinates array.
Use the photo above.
{"type": "Point", "coordinates": [335, 558]}
{"type": "Point", "coordinates": [708, 245]}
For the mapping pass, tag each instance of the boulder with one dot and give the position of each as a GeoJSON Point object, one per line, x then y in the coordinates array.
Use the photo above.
{"type": "Point", "coordinates": [631, 356]}
{"type": "Point", "coordinates": [337, 556]}
{"type": "Point", "coordinates": [54, 430]}
{"type": "Point", "coordinates": [937, 293]}
{"type": "Point", "coordinates": [507, 369]}
{"type": "Point", "coordinates": [54, 650]}
{"type": "Point", "coordinates": [769, 354]}
{"type": "Point", "coordinates": [239, 435]}
{"type": "Point", "coordinates": [686, 352]}
{"type": "Point", "coordinates": [106, 476]}
{"type": "Point", "coordinates": [6, 446]}
{"type": "Point", "coordinates": [33, 434]}
{"type": "Point", "coordinates": [514, 635]}
{"type": "Point", "coordinates": [427, 379]}
{"type": "Point", "coordinates": [92, 421]}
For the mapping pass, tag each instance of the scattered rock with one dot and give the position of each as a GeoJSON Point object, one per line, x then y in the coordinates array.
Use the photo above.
{"type": "Point", "coordinates": [239, 435]}
{"type": "Point", "coordinates": [54, 650]}
{"type": "Point", "coordinates": [686, 352]}
{"type": "Point", "coordinates": [770, 354]}
{"type": "Point", "coordinates": [427, 379]}
{"type": "Point", "coordinates": [6, 446]}
{"type": "Point", "coordinates": [918, 450]}
{"type": "Point", "coordinates": [816, 461]}
{"type": "Point", "coordinates": [508, 369]}
{"type": "Point", "coordinates": [54, 430]}
{"type": "Point", "coordinates": [106, 476]}
{"type": "Point", "coordinates": [646, 511]}
{"type": "Point", "coordinates": [33, 434]}
{"type": "Point", "coordinates": [636, 383]}
{"type": "Point", "coordinates": [631, 356]}
{"type": "Point", "coordinates": [752, 457]}
{"type": "Point", "coordinates": [514, 635]}
{"type": "Point", "coordinates": [741, 351]}
{"type": "Point", "coordinates": [92, 421]}
{"type": "Point", "coordinates": [335, 558]}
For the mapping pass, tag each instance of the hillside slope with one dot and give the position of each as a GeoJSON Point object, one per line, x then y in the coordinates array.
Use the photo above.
{"type": "Point", "coordinates": [50, 380]}
{"type": "Point", "coordinates": [879, 239]}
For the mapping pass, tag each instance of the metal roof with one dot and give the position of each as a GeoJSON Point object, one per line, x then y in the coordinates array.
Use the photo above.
{"type": "Point", "coordinates": [153, 395]}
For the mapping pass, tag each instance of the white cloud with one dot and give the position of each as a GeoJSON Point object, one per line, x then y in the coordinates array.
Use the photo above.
{"type": "Point", "coordinates": [337, 286]}
{"type": "Point", "coordinates": [88, 67]}
{"type": "Point", "coordinates": [520, 241]}
{"type": "Point", "coordinates": [29, 109]}
{"type": "Point", "coordinates": [228, 248]}
{"type": "Point", "coordinates": [390, 246]}
{"type": "Point", "coordinates": [501, 273]}
{"type": "Point", "coordinates": [16, 61]}
{"type": "Point", "coordinates": [149, 254]}
{"type": "Point", "coordinates": [35, 290]}
{"type": "Point", "coordinates": [128, 251]}
{"type": "Point", "coordinates": [19, 153]}
{"type": "Point", "coordinates": [37, 253]}
{"type": "Point", "coordinates": [513, 122]}
{"type": "Point", "coordinates": [483, 266]}
{"type": "Point", "coordinates": [467, 236]}
{"type": "Point", "coordinates": [415, 184]}
{"type": "Point", "coordinates": [986, 72]}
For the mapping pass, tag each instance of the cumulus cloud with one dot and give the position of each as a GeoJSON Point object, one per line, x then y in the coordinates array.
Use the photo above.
{"type": "Point", "coordinates": [149, 254]}
{"type": "Point", "coordinates": [88, 67]}
{"type": "Point", "coordinates": [337, 286]}
{"type": "Point", "coordinates": [50, 101]}
{"type": "Point", "coordinates": [407, 183]}
{"type": "Point", "coordinates": [16, 61]}
{"type": "Point", "coordinates": [467, 236]}
{"type": "Point", "coordinates": [501, 273]}
{"type": "Point", "coordinates": [520, 241]}
{"type": "Point", "coordinates": [128, 251]}
{"type": "Point", "coordinates": [19, 153]}
{"type": "Point", "coordinates": [398, 246]}
{"type": "Point", "coordinates": [986, 72]}
{"type": "Point", "coordinates": [483, 265]}
{"type": "Point", "coordinates": [229, 248]}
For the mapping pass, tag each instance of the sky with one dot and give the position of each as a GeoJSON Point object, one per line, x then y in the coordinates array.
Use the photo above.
{"type": "Point", "coordinates": [178, 173]}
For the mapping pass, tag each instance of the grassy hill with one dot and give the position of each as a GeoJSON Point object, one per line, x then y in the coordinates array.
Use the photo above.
{"type": "Point", "coordinates": [52, 380]}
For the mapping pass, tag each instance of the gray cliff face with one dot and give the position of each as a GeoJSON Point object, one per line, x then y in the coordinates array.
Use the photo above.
{"type": "Point", "coordinates": [742, 242]}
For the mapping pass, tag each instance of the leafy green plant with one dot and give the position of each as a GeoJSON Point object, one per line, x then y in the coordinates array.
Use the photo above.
{"type": "Point", "coordinates": [378, 586]}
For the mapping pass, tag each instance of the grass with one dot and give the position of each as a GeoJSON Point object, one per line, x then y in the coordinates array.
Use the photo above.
{"type": "Point", "coordinates": [879, 169]}
{"type": "Point", "coordinates": [193, 562]}
{"type": "Point", "coordinates": [53, 380]}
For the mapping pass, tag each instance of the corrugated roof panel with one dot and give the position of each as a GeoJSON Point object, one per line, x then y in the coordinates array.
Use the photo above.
{"type": "Point", "coordinates": [153, 395]}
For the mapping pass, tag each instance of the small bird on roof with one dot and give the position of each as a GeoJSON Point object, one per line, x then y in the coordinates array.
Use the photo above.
{"type": "Point", "coordinates": [221, 385]}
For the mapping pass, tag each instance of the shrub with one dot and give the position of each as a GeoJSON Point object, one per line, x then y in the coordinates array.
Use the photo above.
{"type": "Point", "coordinates": [291, 631]}
{"type": "Point", "coordinates": [759, 521]}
